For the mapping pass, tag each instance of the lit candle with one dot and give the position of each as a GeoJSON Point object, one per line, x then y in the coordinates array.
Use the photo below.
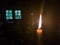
{"type": "Point", "coordinates": [39, 31]}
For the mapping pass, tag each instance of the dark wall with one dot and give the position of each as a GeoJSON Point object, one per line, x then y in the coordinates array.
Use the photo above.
{"type": "Point", "coordinates": [25, 29]}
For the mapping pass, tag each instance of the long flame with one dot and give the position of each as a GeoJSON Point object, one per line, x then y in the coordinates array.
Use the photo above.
{"type": "Point", "coordinates": [40, 22]}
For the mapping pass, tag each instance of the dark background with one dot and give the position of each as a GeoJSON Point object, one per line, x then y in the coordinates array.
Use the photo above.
{"type": "Point", "coordinates": [23, 31]}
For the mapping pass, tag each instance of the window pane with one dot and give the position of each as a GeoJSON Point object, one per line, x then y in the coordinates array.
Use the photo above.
{"type": "Point", "coordinates": [11, 18]}
{"type": "Point", "coordinates": [17, 14]}
{"type": "Point", "coordinates": [9, 14]}
{"type": "Point", "coordinates": [7, 17]}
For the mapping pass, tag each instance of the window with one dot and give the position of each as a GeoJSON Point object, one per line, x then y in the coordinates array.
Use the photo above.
{"type": "Point", "coordinates": [17, 14]}
{"type": "Point", "coordinates": [9, 14]}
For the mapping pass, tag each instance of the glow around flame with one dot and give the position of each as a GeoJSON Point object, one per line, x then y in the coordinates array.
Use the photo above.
{"type": "Point", "coordinates": [40, 22]}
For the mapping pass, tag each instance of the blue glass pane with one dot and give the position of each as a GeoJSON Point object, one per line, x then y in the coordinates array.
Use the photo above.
{"type": "Point", "coordinates": [17, 14]}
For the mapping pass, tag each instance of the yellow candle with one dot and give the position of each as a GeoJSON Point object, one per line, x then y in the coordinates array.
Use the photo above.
{"type": "Point", "coordinates": [39, 36]}
{"type": "Point", "coordinates": [39, 32]}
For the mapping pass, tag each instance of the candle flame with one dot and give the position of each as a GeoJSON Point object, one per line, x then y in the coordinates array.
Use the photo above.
{"type": "Point", "coordinates": [40, 22]}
